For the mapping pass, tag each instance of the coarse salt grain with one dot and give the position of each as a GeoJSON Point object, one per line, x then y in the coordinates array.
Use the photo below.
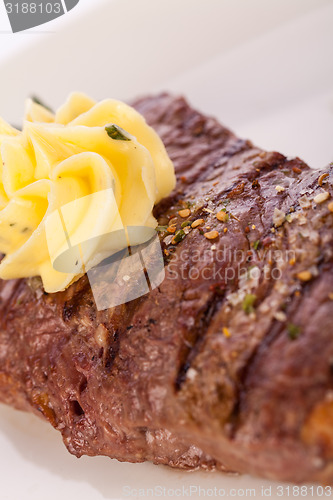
{"type": "Point", "coordinates": [321, 197]}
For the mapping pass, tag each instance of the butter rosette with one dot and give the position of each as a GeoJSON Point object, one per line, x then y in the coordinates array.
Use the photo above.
{"type": "Point", "coordinates": [71, 180]}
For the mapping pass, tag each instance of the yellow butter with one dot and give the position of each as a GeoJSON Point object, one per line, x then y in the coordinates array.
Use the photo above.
{"type": "Point", "coordinates": [65, 180]}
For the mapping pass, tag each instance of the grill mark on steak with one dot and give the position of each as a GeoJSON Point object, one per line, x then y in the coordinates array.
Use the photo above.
{"type": "Point", "coordinates": [274, 330]}
{"type": "Point", "coordinates": [68, 311]}
{"type": "Point", "coordinates": [113, 351]}
{"type": "Point", "coordinates": [235, 416]}
{"type": "Point", "coordinates": [195, 338]}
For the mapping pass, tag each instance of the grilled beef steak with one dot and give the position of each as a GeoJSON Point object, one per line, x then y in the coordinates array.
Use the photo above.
{"type": "Point", "coordinates": [229, 362]}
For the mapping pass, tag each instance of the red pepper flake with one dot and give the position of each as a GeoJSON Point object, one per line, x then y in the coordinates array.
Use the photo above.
{"type": "Point", "coordinates": [237, 190]}
{"type": "Point", "coordinates": [217, 287]}
{"type": "Point", "coordinates": [266, 242]}
{"type": "Point", "coordinates": [247, 229]}
{"type": "Point", "coordinates": [198, 129]}
{"type": "Point", "coordinates": [297, 170]}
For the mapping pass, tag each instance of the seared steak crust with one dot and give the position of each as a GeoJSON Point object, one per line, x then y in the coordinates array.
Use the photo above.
{"type": "Point", "coordinates": [228, 363]}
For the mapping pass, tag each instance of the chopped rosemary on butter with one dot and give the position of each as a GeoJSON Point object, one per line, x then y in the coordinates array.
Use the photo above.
{"type": "Point", "coordinates": [36, 100]}
{"type": "Point", "coordinates": [116, 133]}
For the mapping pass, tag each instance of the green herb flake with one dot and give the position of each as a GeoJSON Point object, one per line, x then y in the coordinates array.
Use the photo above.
{"type": "Point", "coordinates": [256, 244]}
{"type": "Point", "coordinates": [117, 133]}
{"type": "Point", "coordinates": [294, 331]}
{"type": "Point", "coordinates": [36, 100]}
{"type": "Point", "coordinates": [224, 202]}
{"type": "Point", "coordinates": [186, 223]}
{"type": "Point", "coordinates": [179, 236]}
{"type": "Point", "coordinates": [190, 204]}
{"type": "Point", "coordinates": [161, 229]}
{"type": "Point", "coordinates": [248, 303]}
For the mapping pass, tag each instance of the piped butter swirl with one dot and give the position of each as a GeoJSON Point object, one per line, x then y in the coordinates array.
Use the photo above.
{"type": "Point", "coordinates": [89, 170]}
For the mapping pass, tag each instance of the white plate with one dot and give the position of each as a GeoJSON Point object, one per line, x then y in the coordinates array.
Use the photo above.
{"type": "Point", "coordinates": [263, 68]}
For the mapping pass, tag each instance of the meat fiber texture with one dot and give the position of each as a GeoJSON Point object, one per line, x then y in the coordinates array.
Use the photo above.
{"type": "Point", "coordinates": [217, 367]}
